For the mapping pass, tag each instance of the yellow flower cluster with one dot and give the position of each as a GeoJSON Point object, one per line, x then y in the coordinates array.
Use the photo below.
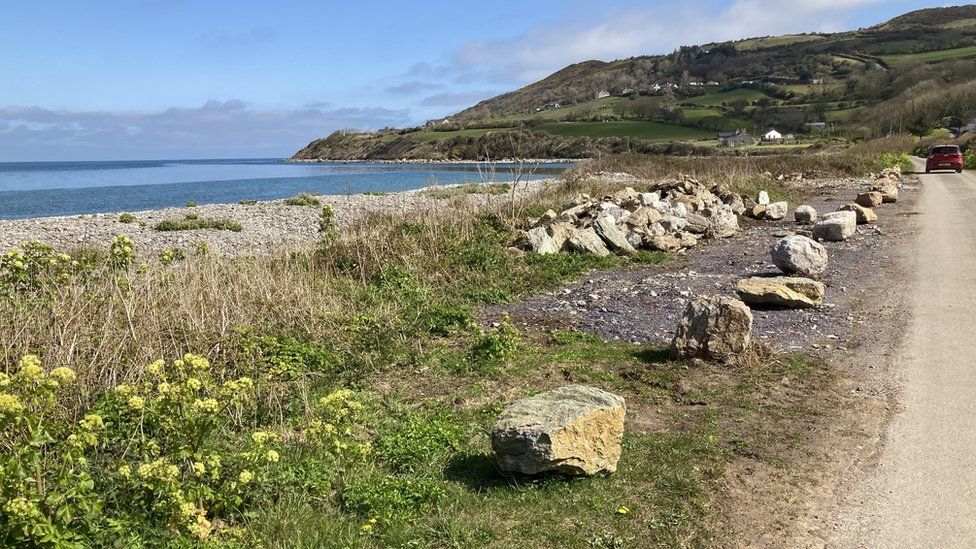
{"type": "Point", "coordinates": [63, 375]}
{"type": "Point", "coordinates": [21, 508]}
{"type": "Point", "coordinates": [160, 469]}
{"type": "Point", "coordinates": [10, 404]}
{"type": "Point", "coordinates": [29, 368]}
{"type": "Point", "coordinates": [206, 406]}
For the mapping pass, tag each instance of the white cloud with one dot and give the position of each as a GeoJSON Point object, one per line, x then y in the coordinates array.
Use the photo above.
{"type": "Point", "coordinates": [218, 129]}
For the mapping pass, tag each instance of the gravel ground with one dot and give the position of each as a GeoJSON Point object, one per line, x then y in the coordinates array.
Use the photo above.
{"type": "Point", "coordinates": [267, 226]}
{"type": "Point", "coordinates": [645, 304]}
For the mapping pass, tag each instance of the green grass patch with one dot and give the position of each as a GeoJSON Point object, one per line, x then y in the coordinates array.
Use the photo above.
{"type": "Point", "coordinates": [719, 98]}
{"type": "Point", "coordinates": [933, 56]}
{"type": "Point", "coordinates": [303, 199]}
{"type": "Point", "coordinates": [469, 189]}
{"type": "Point", "coordinates": [646, 130]}
{"type": "Point", "coordinates": [194, 223]}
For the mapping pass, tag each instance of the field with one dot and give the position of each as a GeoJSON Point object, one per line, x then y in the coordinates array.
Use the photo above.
{"type": "Point", "coordinates": [774, 41]}
{"type": "Point", "coordinates": [650, 131]}
{"type": "Point", "coordinates": [718, 98]}
{"type": "Point", "coordinates": [933, 56]}
{"type": "Point", "coordinates": [428, 135]}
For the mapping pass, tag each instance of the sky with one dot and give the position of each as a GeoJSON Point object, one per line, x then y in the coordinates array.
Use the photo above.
{"type": "Point", "coordinates": [168, 79]}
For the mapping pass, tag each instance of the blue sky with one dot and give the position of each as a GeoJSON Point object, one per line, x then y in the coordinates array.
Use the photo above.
{"type": "Point", "coordinates": [202, 79]}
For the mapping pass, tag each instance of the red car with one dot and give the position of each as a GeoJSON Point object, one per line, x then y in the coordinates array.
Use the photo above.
{"type": "Point", "coordinates": [944, 157]}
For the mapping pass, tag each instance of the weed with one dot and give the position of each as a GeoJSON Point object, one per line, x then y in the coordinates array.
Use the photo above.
{"type": "Point", "coordinates": [199, 224]}
{"type": "Point", "coordinates": [247, 202]}
{"type": "Point", "coordinates": [126, 218]}
{"type": "Point", "coordinates": [191, 204]}
{"type": "Point", "coordinates": [303, 199]}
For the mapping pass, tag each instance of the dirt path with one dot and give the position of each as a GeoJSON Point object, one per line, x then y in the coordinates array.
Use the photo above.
{"type": "Point", "coordinates": [923, 491]}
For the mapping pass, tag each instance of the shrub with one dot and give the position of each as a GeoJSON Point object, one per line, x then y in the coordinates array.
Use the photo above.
{"type": "Point", "coordinates": [171, 255]}
{"type": "Point", "coordinates": [891, 160]}
{"type": "Point", "coordinates": [191, 217]}
{"type": "Point", "coordinates": [126, 218]}
{"type": "Point", "coordinates": [247, 202]}
{"type": "Point", "coordinates": [390, 498]}
{"type": "Point", "coordinates": [37, 267]}
{"type": "Point", "coordinates": [198, 224]}
{"type": "Point", "coordinates": [191, 204]}
{"type": "Point", "coordinates": [328, 228]}
{"type": "Point", "coordinates": [497, 346]}
{"type": "Point", "coordinates": [303, 199]}
{"type": "Point", "coordinates": [121, 253]}
{"type": "Point", "coordinates": [419, 441]}
{"type": "Point", "coordinates": [970, 159]}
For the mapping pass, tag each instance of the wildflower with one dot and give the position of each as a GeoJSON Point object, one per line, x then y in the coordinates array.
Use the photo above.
{"type": "Point", "coordinates": [156, 368]}
{"type": "Point", "coordinates": [245, 476]}
{"type": "Point", "coordinates": [194, 384]}
{"type": "Point", "coordinates": [20, 507]}
{"type": "Point", "coordinates": [64, 257]}
{"type": "Point", "coordinates": [83, 461]}
{"type": "Point", "coordinates": [136, 403]}
{"type": "Point", "coordinates": [4, 379]}
{"type": "Point", "coordinates": [164, 388]}
{"type": "Point", "coordinates": [19, 264]}
{"type": "Point", "coordinates": [202, 527]}
{"type": "Point", "coordinates": [196, 363]}
{"type": "Point", "coordinates": [187, 511]}
{"type": "Point", "coordinates": [125, 471]}
{"type": "Point", "coordinates": [199, 468]}
{"type": "Point", "coordinates": [261, 437]}
{"type": "Point", "coordinates": [92, 422]}
{"type": "Point", "coordinates": [206, 406]}
{"type": "Point", "coordinates": [271, 456]}
{"type": "Point", "coordinates": [10, 404]}
{"type": "Point", "coordinates": [368, 527]}
{"type": "Point", "coordinates": [63, 374]}
{"type": "Point", "coordinates": [30, 368]}
{"type": "Point", "coordinates": [123, 390]}
{"type": "Point", "coordinates": [623, 510]}
{"type": "Point", "coordinates": [145, 470]}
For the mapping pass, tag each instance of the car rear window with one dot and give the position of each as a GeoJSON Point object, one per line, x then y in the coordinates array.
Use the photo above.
{"type": "Point", "coordinates": [945, 150]}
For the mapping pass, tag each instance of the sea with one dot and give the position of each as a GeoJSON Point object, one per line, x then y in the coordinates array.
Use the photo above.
{"type": "Point", "coordinates": [41, 189]}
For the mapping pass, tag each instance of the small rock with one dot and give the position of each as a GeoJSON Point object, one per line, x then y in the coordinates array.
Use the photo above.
{"type": "Point", "coordinates": [864, 215]}
{"type": "Point", "coordinates": [763, 198]}
{"type": "Point", "coordinates": [872, 199]}
{"type": "Point", "coordinates": [805, 214]}
{"type": "Point", "coordinates": [713, 327]}
{"type": "Point", "coordinates": [777, 210]}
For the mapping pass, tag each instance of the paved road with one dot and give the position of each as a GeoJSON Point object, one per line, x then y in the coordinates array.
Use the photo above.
{"type": "Point", "coordinates": [923, 492]}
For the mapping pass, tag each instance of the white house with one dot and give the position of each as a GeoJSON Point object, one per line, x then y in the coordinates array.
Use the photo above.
{"type": "Point", "coordinates": [601, 94]}
{"type": "Point", "coordinates": [772, 135]}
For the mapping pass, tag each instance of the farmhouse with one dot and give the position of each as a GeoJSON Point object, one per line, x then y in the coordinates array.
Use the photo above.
{"type": "Point", "coordinates": [772, 135]}
{"type": "Point", "coordinates": [738, 138]}
{"type": "Point", "coordinates": [601, 94]}
{"type": "Point", "coordinates": [438, 122]}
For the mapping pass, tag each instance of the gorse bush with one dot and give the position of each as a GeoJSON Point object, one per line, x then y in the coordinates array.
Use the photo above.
{"type": "Point", "coordinates": [193, 223]}
{"type": "Point", "coordinates": [126, 218]}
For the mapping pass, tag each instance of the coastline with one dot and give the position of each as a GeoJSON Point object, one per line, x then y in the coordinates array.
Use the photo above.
{"type": "Point", "coordinates": [267, 226]}
{"type": "Point", "coordinates": [437, 162]}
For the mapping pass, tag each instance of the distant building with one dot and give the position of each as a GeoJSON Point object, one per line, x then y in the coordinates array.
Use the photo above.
{"type": "Point", "coordinates": [628, 91]}
{"type": "Point", "coordinates": [438, 122]}
{"type": "Point", "coordinates": [712, 83]}
{"type": "Point", "coordinates": [772, 135]}
{"type": "Point", "coordinates": [738, 138]}
{"type": "Point", "coordinates": [601, 94]}
{"type": "Point", "coordinates": [549, 106]}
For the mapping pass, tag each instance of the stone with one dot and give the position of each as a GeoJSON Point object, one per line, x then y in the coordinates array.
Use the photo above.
{"type": "Point", "coordinates": [688, 240]}
{"type": "Point", "coordinates": [864, 215]}
{"type": "Point", "coordinates": [661, 206]}
{"type": "Point", "coordinates": [836, 227]}
{"type": "Point", "coordinates": [715, 328]}
{"type": "Point", "coordinates": [643, 216]}
{"type": "Point", "coordinates": [575, 211]}
{"type": "Point", "coordinates": [626, 196]}
{"type": "Point", "coordinates": [635, 239]}
{"type": "Point", "coordinates": [800, 255]}
{"type": "Point", "coordinates": [735, 202]}
{"type": "Point", "coordinates": [560, 232]}
{"type": "Point", "coordinates": [646, 199]}
{"type": "Point", "coordinates": [680, 209]}
{"type": "Point", "coordinates": [781, 291]}
{"type": "Point", "coordinates": [540, 242]}
{"type": "Point", "coordinates": [587, 241]}
{"type": "Point", "coordinates": [888, 190]}
{"type": "Point", "coordinates": [777, 210]}
{"type": "Point", "coordinates": [872, 199]}
{"type": "Point", "coordinates": [606, 227]}
{"type": "Point", "coordinates": [757, 212]}
{"type": "Point", "coordinates": [664, 243]}
{"type": "Point", "coordinates": [655, 229]}
{"type": "Point", "coordinates": [574, 430]}
{"type": "Point", "coordinates": [725, 223]}
{"type": "Point", "coordinates": [673, 224]}
{"type": "Point", "coordinates": [805, 214]}
{"type": "Point", "coordinates": [698, 224]}
{"type": "Point", "coordinates": [547, 218]}
{"type": "Point", "coordinates": [763, 198]}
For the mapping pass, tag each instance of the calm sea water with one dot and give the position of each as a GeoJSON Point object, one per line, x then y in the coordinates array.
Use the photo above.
{"type": "Point", "coordinates": [34, 189]}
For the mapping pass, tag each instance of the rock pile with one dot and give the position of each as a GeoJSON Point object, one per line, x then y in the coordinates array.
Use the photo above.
{"type": "Point", "coordinates": [573, 430]}
{"type": "Point", "coordinates": [668, 217]}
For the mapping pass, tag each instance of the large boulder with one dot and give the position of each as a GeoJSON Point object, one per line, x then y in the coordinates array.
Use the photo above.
{"type": "Point", "coordinates": [805, 215]}
{"type": "Point", "coordinates": [698, 224]}
{"type": "Point", "coordinates": [540, 242]}
{"type": "Point", "coordinates": [573, 430]}
{"type": "Point", "coordinates": [561, 232]}
{"type": "Point", "coordinates": [864, 215]}
{"type": "Point", "coordinates": [781, 291]}
{"type": "Point", "coordinates": [836, 226]}
{"type": "Point", "coordinates": [724, 222]}
{"type": "Point", "coordinates": [664, 243]}
{"type": "Point", "coordinates": [800, 255]}
{"type": "Point", "coordinates": [606, 228]}
{"type": "Point", "coordinates": [872, 199]}
{"type": "Point", "coordinates": [888, 190]}
{"type": "Point", "coordinates": [713, 327]}
{"type": "Point", "coordinates": [587, 241]}
{"type": "Point", "coordinates": [777, 210]}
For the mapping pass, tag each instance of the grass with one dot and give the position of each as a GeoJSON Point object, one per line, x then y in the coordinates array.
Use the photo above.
{"type": "Point", "coordinates": [303, 199]}
{"type": "Point", "coordinates": [428, 135]}
{"type": "Point", "coordinates": [650, 131]}
{"type": "Point", "coordinates": [719, 98]}
{"type": "Point", "coordinates": [194, 223]}
{"type": "Point", "coordinates": [470, 188]}
{"type": "Point", "coordinates": [933, 56]}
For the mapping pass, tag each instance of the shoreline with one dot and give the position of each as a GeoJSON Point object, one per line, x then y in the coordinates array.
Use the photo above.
{"type": "Point", "coordinates": [440, 162]}
{"type": "Point", "coordinates": [266, 226]}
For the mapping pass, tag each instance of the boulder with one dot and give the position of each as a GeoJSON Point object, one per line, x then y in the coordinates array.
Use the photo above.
{"type": "Point", "coordinates": [724, 222]}
{"type": "Point", "coordinates": [734, 201]}
{"type": "Point", "coordinates": [673, 224]}
{"type": "Point", "coordinates": [836, 227]}
{"type": "Point", "coordinates": [635, 239]}
{"type": "Point", "coordinates": [587, 241]}
{"type": "Point", "coordinates": [575, 212]}
{"type": "Point", "coordinates": [800, 255]}
{"type": "Point", "coordinates": [661, 206]}
{"type": "Point", "coordinates": [664, 243]}
{"type": "Point", "coordinates": [805, 215]}
{"type": "Point", "coordinates": [713, 327]}
{"type": "Point", "coordinates": [573, 430]}
{"type": "Point", "coordinates": [763, 198]}
{"type": "Point", "coordinates": [626, 196]}
{"type": "Point", "coordinates": [688, 240]}
{"type": "Point", "coordinates": [643, 216]}
{"type": "Point", "coordinates": [698, 224]}
{"type": "Point", "coordinates": [540, 242]}
{"type": "Point", "coordinates": [888, 190]}
{"type": "Point", "coordinates": [781, 291]}
{"type": "Point", "coordinates": [872, 199]}
{"type": "Point", "coordinates": [757, 212]}
{"type": "Point", "coordinates": [560, 232]}
{"type": "Point", "coordinates": [777, 210]}
{"type": "Point", "coordinates": [606, 227]}
{"type": "Point", "coordinates": [864, 215]}
{"type": "Point", "coordinates": [680, 209]}
{"type": "Point", "coordinates": [646, 199]}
